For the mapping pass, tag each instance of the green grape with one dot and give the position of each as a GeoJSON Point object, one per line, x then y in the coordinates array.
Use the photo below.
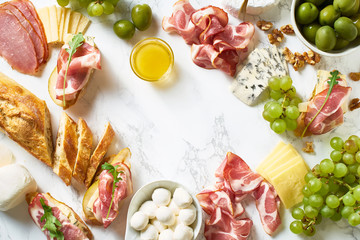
{"type": "Point", "coordinates": [278, 126]}
{"type": "Point", "coordinates": [327, 166]}
{"type": "Point", "coordinates": [310, 211]}
{"type": "Point", "coordinates": [346, 211]}
{"type": "Point", "coordinates": [356, 193]}
{"type": "Point", "coordinates": [316, 200]}
{"type": "Point", "coordinates": [350, 146]}
{"type": "Point", "coordinates": [113, 2]}
{"type": "Point", "coordinates": [333, 186]}
{"type": "Point", "coordinates": [309, 176]}
{"type": "Point", "coordinates": [324, 190]}
{"type": "Point", "coordinates": [291, 124]}
{"type": "Point", "coordinates": [348, 158]}
{"type": "Point", "coordinates": [349, 179]}
{"type": "Point", "coordinates": [267, 117]}
{"type": "Point", "coordinates": [336, 155]}
{"type": "Point", "coordinates": [89, 9]}
{"type": "Point", "coordinates": [354, 137]}
{"type": "Point", "coordinates": [97, 9]}
{"type": "Point", "coordinates": [336, 217]}
{"type": "Point", "coordinates": [306, 191]}
{"type": "Point", "coordinates": [358, 171]}
{"type": "Point", "coordinates": [332, 201]}
{"type": "Point", "coordinates": [316, 169]}
{"type": "Point", "coordinates": [276, 95]}
{"type": "Point", "coordinates": [291, 92]}
{"type": "Point", "coordinates": [353, 168]}
{"type": "Point", "coordinates": [275, 110]}
{"type": "Point", "coordinates": [318, 219]}
{"type": "Point", "coordinates": [267, 105]}
{"type": "Point", "coordinates": [292, 112]}
{"type": "Point", "coordinates": [274, 83]}
{"type": "Point", "coordinates": [285, 83]}
{"type": "Point", "coordinates": [284, 102]}
{"type": "Point", "coordinates": [108, 7]}
{"type": "Point", "coordinates": [314, 185]}
{"type": "Point", "coordinates": [305, 201]}
{"type": "Point", "coordinates": [296, 227]}
{"type": "Point", "coordinates": [310, 231]}
{"type": "Point", "coordinates": [298, 213]}
{"type": "Point", "coordinates": [357, 156]}
{"type": "Point", "coordinates": [327, 212]}
{"type": "Point", "coordinates": [295, 101]}
{"type": "Point", "coordinates": [63, 3]}
{"type": "Point", "coordinates": [349, 200]}
{"type": "Point", "coordinates": [337, 143]}
{"type": "Point", "coordinates": [340, 170]}
{"type": "Point", "coordinates": [354, 219]}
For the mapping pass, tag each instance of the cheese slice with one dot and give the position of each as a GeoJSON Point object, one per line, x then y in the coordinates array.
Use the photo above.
{"type": "Point", "coordinates": [278, 148]}
{"type": "Point", "coordinates": [282, 159]}
{"type": "Point", "coordinates": [74, 22]}
{"type": "Point", "coordinates": [275, 171]}
{"type": "Point", "coordinates": [65, 30]}
{"type": "Point", "coordinates": [44, 17]}
{"type": "Point", "coordinates": [61, 13]}
{"type": "Point", "coordinates": [53, 25]}
{"type": "Point", "coordinates": [83, 24]}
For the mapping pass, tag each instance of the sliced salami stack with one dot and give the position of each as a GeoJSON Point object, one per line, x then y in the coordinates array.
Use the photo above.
{"type": "Point", "coordinates": [23, 41]}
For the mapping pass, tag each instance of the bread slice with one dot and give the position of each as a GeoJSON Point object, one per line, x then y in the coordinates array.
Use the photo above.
{"type": "Point", "coordinates": [85, 141]}
{"type": "Point", "coordinates": [65, 149]}
{"type": "Point", "coordinates": [26, 119]}
{"type": "Point", "coordinates": [99, 153]}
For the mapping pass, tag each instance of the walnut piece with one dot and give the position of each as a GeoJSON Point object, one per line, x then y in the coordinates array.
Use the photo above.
{"type": "Point", "coordinates": [287, 29]}
{"type": "Point", "coordinates": [311, 57]}
{"type": "Point", "coordinates": [298, 60]}
{"type": "Point", "coordinates": [355, 76]}
{"type": "Point", "coordinates": [264, 25]}
{"type": "Point", "coordinates": [354, 104]}
{"type": "Point", "coordinates": [276, 37]}
{"type": "Point", "coordinates": [309, 148]}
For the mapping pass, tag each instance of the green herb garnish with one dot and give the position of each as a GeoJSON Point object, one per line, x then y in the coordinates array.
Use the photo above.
{"type": "Point", "coordinates": [333, 80]}
{"type": "Point", "coordinates": [52, 224]}
{"type": "Point", "coordinates": [117, 178]}
{"type": "Point", "coordinates": [74, 44]}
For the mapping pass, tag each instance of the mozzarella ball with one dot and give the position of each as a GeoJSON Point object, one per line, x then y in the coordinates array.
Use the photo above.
{"type": "Point", "coordinates": [182, 198]}
{"type": "Point", "coordinates": [183, 232]}
{"type": "Point", "coordinates": [149, 233]}
{"type": "Point", "coordinates": [158, 225]}
{"type": "Point", "coordinates": [166, 235]}
{"type": "Point", "coordinates": [165, 216]}
{"type": "Point", "coordinates": [174, 208]}
{"type": "Point", "coordinates": [149, 208]}
{"type": "Point", "coordinates": [161, 197]}
{"type": "Point", "coordinates": [139, 221]}
{"type": "Point", "coordinates": [176, 222]}
{"type": "Point", "coordinates": [187, 215]}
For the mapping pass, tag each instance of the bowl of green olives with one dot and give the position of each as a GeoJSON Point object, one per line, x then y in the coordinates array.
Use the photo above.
{"type": "Point", "coordinates": [328, 27]}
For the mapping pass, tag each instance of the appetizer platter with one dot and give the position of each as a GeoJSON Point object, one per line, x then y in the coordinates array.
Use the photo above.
{"type": "Point", "coordinates": [180, 120]}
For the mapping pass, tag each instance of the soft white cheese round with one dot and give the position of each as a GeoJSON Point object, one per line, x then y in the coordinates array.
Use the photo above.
{"type": "Point", "coordinates": [15, 183]}
{"type": "Point", "coordinates": [167, 234]}
{"type": "Point", "coordinates": [183, 232]}
{"type": "Point", "coordinates": [149, 233]}
{"type": "Point", "coordinates": [187, 215]}
{"type": "Point", "coordinates": [175, 224]}
{"type": "Point", "coordinates": [158, 225]}
{"type": "Point", "coordinates": [149, 208]}
{"type": "Point", "coordinates": [161, 197]}
{"type": "Point", "coordinates": [139, 221]}
{"type": "Point", "coordinates": [165, 216]}
{"type": "Point", "coordinates": [182, 198]}
{"type": "Point", "coordinates": [6, 156]}
{"type": "Point", "coordinates": [174, 208]}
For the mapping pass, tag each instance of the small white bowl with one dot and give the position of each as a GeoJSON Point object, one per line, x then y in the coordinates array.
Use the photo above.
{"type": "Point", "coordinates": [144, 194]}
{"type": "Point", "coordinates": [354, 45]}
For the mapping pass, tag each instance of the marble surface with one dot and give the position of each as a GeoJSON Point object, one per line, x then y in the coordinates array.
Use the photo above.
{"type": "Point", "coordinates": [180, 131]}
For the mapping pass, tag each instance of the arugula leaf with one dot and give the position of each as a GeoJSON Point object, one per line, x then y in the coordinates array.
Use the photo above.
{"type": "Point", "coordinates": [74, 44]}
{"type": "Point", "coordinates": [52, 224]}
{"type": "Point", "coordinates": [333, 80]}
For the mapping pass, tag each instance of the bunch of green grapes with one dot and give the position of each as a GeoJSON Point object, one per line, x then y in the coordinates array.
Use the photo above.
{"type": "Point", "coordinates": [282, 111]}
{"type": "Point", "coordinates": [332, 188]}
{"type": "Point", "coordinates": [94, 7]}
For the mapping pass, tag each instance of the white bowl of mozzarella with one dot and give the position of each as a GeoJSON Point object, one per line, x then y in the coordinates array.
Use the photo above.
{"type": "Point", "coordinates": [163, 210]}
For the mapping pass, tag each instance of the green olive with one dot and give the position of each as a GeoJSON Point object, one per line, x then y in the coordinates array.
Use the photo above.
{"type": "Point", "coordinates": [341, 43]}
{"type": "Point", "coordinates": [124, 29]}
{"type": "Point", "coordinates": [356, 21]}
{"type": "Point", "coordinates": [316, 2]}
{"type": "Point", "coordinates": [141, 16]}
{"type": "Point", "coordinates": [306, 13]}
{"type": "Point", "coordinates": [325, 39]}
{"type": "Point", "coordinates": [310, 30]}
{"type": "Point", "coordinates": [328, 15]}
{"type": "Point", "coordinates": [344, 5]}
{"type": "Point", "coordinates": [346, 28]}
{"type": "Point", "coordinates": [353, 10]}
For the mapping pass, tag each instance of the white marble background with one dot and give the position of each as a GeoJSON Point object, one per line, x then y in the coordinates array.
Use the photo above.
{"type": "Point", "coordinates": [179, 132]}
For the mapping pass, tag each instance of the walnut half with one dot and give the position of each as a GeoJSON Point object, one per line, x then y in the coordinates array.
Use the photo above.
{"type": "Point", "coordinates": [309, 147]}
{"type": "Point", "coordinates": [276, 37]}
{"type": "Point", "coordinates": [311, 57]}
{"type": "Point", "coordinates": [264, 25]}
{"type": "Point", "coordinates": [354, 104]}
{"type": "Point", "coordinates": [355, 76]}
{"type": "Point", "coordinates": [287, 29]}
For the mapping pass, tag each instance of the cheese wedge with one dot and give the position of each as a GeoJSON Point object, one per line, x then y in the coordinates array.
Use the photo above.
{"type": "Point", "coordinates": [44, 17]}
{"type": "Point", "coordinates": [61, 21]}
{"type": "Point", "coordinates": [54, 36]}
{"type": "Point", "coordinates": [83, 24]}
{"type": "Point", "coordinates": [281, 159]}
{"type": "Point", "coordinates": [66, 20]}
{"type": "Point", "coordinates": [74, 22]}
{"type": "Point", "coordinates": [279, 147]}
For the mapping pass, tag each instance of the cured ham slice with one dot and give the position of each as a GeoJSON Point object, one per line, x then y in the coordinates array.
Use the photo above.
{"type": "Point", "coordinates": [86, 58]}
{"type": "Point", "coordinates": [267, 204]}
{"type": "Point", "coordinates": [331, 114]}
{"type": "Point", "coordinates": [103, 202]}
{"type": "Point", "coordinates": [222, 226]}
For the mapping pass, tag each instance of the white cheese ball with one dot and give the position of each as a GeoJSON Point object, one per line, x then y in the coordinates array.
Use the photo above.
{"type": "Point", "coordinates": [166, 235]}
{"type": "Point", "coordinates": [183, 232]}
{"type": "Point", "coordinates": [182, 198]}
{"type": "Point", "coordinates": [158, 225]}
{"type": "Point", "coordinates": [139, 221]}
{"type": "Point", "coordinates": [149, 233]}
{"type": "Point", "coordinates": [174, 208]}
{"type": "Point", "coordinates": [187, 215]}
{"type": "Point", "coordinates": [161, 197]}
{"type": "Point", "coordinates": [149, 208]}
{"type": "Point", "coordinates": [175, 224]}
{"type": "Point", "coordinates": [165, 216]}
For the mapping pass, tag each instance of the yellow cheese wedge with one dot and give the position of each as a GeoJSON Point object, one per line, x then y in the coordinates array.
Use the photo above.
{"type": "Point", "coordinates": [286, 165]}
{"type": "Point", "coordinates": [280, 160]}
{"type": "Point", "coordinates": [83, 24]}
{"type": "Point", "coordinates": [278, 148]}
{"type": "Point", "coordinates": [74, 22]}
{"type": "Point", "coordinates": [65, 30]}
{"type": "Point", "coordinates": [53, 25]}
{"type": "Point", "coordinates": [44, 17]}
{"type": "Point", "coordinates": [61, 21]}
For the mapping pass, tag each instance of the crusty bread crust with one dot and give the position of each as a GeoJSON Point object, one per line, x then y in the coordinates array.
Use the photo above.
{"type": "Point", "coordinates": [99, 153]}
{"type": "Point", "coordinates": [65, 149]}
{"type": "Point", "coordinates": [85, 141]}
{"type": "Point", "coordinates": [26, 119]}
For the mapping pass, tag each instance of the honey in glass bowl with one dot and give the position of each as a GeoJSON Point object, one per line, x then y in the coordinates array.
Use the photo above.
{"type": "Point", "coordinates": [152, 59]}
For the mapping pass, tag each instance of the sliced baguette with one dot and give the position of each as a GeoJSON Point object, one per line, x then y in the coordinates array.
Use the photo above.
{"type": "Point", "coordinates": [99, 153]}
{"type": "Point", "coordinates": [85, 141]}
{"type": "Point", "coordinates": [65, 149]}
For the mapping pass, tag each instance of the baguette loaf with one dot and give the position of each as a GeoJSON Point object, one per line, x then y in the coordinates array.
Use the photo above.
{"type": "Point", "coordinates": [26, 119]}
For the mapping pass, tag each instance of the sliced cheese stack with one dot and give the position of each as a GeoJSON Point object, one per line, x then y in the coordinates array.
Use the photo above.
{"type": "Point", "coordinates": [59, 21]}
{"type": "Point", "coordinates": [285, 169]}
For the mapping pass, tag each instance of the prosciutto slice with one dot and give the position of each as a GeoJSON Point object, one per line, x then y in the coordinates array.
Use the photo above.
{"type": "Point", "coordinates": [103, 202]}
{"type": "Point", "coordinates": [331, 115]}
{"type": "Point", "coordinates": [86, 58]}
